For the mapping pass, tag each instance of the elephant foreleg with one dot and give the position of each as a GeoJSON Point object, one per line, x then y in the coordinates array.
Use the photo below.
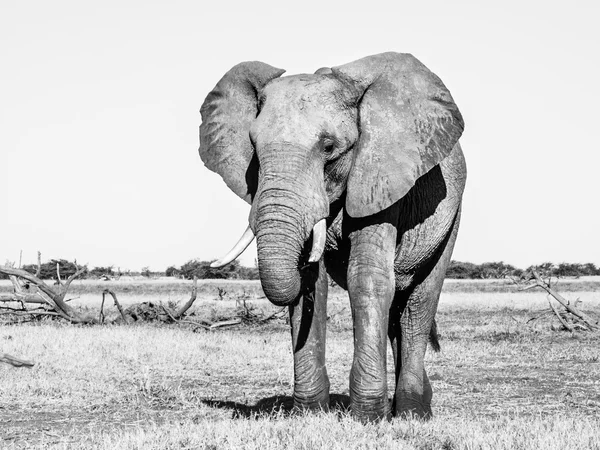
{"type": "Point", "coordinates": [308, 319]}
{"type": "Point", "coordinates": [371, 289]}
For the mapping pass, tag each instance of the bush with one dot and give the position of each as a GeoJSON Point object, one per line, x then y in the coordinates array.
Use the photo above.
{"type": "Point", "coordinates": [98, 272]}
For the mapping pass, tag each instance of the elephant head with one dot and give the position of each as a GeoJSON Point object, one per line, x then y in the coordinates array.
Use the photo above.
{"type": "Point", "coordinates": [357, 135]}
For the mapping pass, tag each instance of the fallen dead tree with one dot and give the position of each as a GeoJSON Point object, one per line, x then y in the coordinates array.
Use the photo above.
{"type": "Point", "coordinates": [569, 316]}
{"type": "Point", "coordinates": [35, 298]}
{"type": "Point", "coordinates": [32, 297]}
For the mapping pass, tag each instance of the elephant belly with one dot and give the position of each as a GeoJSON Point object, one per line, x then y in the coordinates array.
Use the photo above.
{"type": "Point", "coordinates": [416, 250]}
{"type": "Point", "coordinates": [426, 220]}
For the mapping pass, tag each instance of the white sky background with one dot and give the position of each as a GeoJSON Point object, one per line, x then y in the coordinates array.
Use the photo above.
{"type": "Point", "coordinates": [99, 119]}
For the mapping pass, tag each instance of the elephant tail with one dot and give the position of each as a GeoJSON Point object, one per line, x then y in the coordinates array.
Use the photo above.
{"type": "Point", "coordinates": [433, 337]}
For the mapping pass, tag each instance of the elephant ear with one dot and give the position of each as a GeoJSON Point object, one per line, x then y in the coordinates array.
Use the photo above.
{"type": "Point", "coordinates": [227, 114]}
{"type": "Point", "coordinates": [408, 124]}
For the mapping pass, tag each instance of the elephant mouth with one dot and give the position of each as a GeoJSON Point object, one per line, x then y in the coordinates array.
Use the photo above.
{"type": "Point", "coordinates": [319, 235]}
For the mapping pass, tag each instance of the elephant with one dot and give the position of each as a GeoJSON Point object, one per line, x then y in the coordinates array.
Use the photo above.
{"type": "Point", "coordinates": [354, 171]}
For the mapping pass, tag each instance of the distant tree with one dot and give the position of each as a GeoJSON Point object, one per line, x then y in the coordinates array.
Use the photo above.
{"type": "Point", "coordinates": [172, 271]}
{"type": "Point", "coordinates": [461, 270]}
{"type": "Point", "coordinates": [487, 270]}
{"type": "Point", "coordinates": [565, 269]}
{"type": "Point", "coordinates": [498, 270]}
{"type": "Point", "coordinates": [146, 272]}
{"type": "Point", "coordinates": [590, 269]}
{"type": "Point", "coordinates": [248, 273]}
{"type": "Point", "coordinates": [48, 269]}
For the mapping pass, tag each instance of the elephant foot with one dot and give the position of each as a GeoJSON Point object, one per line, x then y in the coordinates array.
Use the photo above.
{"type": "Point", "coordinates": [413, 396]}
{"type": "Point", "coordinates": [371, 416]}
{"type": "Point", "coordinates": [312, 394]}
{"type": "Point", "coordinates": [370, 410]}
{"type": "Point", "coordinates": [410, 407]}
{"type": "Point", "coordinates": [319, 403]}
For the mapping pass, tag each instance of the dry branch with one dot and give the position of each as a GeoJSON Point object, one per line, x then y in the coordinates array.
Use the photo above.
{"type": "Point", "coordinates": [189, 303]}
{"type": "Point", "coordinates": [176, 316]}
{"type": "Point", "coordinates": [101, 315]}
{"type": "Point", "coordinates": [588, 321]}
{"type": "Point", "coordinates": [248, 315]}
{"type": "Point", "coordinates": [560, 318]}
{"type": "Point", "coordinates": [21, 298]}
{"type": "Point", "coordinates": [14, 361]}
{"type": "Point", "coordinates": [58, 279]}
{"type": "Point", "coordinates": [117, 304]}
{"type": "Point", "coordinates": [38, 271]}
{"type": "Point", "coordinates": [225, 323]}
{"type": "Point", "coordinates": [28, 313]}
{"type": "Point", "coordinates": [204, 325]}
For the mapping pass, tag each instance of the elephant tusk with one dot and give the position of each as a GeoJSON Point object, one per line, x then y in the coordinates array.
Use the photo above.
{"type": "Point", "coordinates": [237, 249]}
{"type": "Point", "coordinates": [319, 236]}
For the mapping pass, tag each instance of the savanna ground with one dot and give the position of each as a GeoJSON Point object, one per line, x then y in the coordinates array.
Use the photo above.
{"type": "Point", "coordinates": [500, 382]}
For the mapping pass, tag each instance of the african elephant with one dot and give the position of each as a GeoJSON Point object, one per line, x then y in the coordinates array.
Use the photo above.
{"type": "Point", "coordinates": [355, 171]}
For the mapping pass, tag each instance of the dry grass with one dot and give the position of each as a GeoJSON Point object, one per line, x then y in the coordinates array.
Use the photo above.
{"type": "Point", "coordinates": [498, 383]}
{"type": "Point", "coordinates": [89, 291]}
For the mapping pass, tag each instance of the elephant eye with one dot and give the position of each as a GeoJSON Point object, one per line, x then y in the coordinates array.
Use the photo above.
{"type": "Point", "coordinates": [328, 146]}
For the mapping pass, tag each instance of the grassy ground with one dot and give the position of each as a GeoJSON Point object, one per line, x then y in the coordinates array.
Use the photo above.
{"type": "Point", "coordinates": [499, 381]}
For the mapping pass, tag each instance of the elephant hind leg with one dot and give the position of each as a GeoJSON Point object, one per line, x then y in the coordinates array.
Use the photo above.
{"type": "Point", "coordinates": [412, 326]}
{"type": "Point", "coordinates": [413, 393]}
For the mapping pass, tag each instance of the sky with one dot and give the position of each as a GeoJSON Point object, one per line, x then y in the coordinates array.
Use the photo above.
{"type": "Point", "coordinates": [99, 119]}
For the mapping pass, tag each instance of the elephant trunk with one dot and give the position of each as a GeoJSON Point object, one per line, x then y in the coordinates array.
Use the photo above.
{"type": "Point", "coordinates": [290, 202]}
{"type": "Point", "coordinates": [280, 243]}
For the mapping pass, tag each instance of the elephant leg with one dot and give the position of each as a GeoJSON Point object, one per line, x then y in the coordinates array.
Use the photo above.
{"type": "Point", "coordinates": [411, 319]}
{"type": "Point", "coordinates": [308, 320]}
{"type": "Point", "coordinates": [409, 335]}
{"type": "Point", "coordinates": [371, 289]}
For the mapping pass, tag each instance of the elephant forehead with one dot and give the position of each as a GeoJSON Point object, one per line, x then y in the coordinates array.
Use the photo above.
{"type": "Point", "coordinates": [301, 108]}
{"type": "Point", "coordinates": [302, 91]}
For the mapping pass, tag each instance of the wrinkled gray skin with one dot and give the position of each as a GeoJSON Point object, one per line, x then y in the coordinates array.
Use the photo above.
{"type": "Point", "coordinates": [372, 146]}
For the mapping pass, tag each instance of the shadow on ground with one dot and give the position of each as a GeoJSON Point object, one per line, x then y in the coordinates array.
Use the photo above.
{"type": "Point", "coordinates": [272, 406]}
